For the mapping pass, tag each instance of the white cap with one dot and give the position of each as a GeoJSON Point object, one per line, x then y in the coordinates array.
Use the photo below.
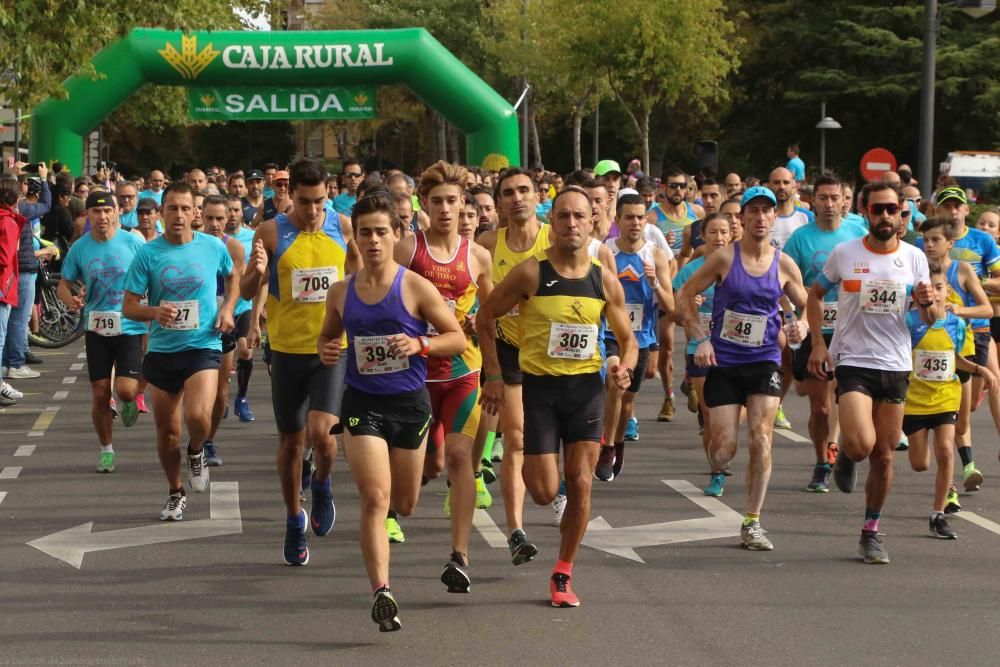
{"type": "Point", "coordinates": [627, 191]}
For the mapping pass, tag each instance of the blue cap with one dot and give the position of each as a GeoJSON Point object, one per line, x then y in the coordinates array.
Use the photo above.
{"type": "Point", "coordinates": [755, 192]}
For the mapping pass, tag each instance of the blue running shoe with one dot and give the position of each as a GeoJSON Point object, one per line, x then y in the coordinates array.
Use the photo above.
{"type": "Point", "coordinates": [212, 457]}
{"type": "Point", "coordinates": [632, 429]}
{"type": "Point", "coordinates": [296, 542]}
{"type": "Point", "coordinates": [323, 512]}
{"type": "Point", "coordinates": [242, 410]}
{"type": "Point", "coordinates": [714, 487]}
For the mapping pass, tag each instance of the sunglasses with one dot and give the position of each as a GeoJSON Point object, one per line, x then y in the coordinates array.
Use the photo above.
{"type": "Point", "coordinates": [880, 209]}
{"type": "Point", "coordinates": [905, 213]}
{"type": "Point", "coordinates": [353, 174]}
{"type": "Point", "coordinates": [676, 186]}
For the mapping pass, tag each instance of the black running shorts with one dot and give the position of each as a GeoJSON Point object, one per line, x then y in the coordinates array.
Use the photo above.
{"type": "Point", "coordinates": [123, 353]}
{"type": "Point", "coordinates": [733, 385]}
{"type": "Point", "coordinates": [168, 371]}
{"type": "Point", "coordinates": [401, 420]}
{"type": "Point", "coordinates": [879, 385]}
{"type": "Point", "coordinates": [300, 383]}
{"type": "Point", "coordinates": [561, 408]}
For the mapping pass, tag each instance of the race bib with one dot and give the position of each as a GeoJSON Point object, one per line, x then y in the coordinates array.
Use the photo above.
{"type": "Point", "coordinates": [882, 297]}
{"type": "Point", "coordinates": [105, 322]}
{"type": "Point", "coordinates": [705, 320]}
{"type": "Point", "coordinates": [373, 356]}
{"type": "Point", "coordinates": [187, 315]}
{"type": "Point", "coordinates": [310, 285]}
{"type": "Point", "coordinates": [743, 329]}
{"type": "Point", "coordinates": [572, 341]}
{"type": "Point", "coordinates": [635, 315]}
{"type": "Point", "coordinates": [934, 365]}
{"type": "Point", "coordinates": [431, 330]}
{"type": "Point", "coordinates": [830, 314]}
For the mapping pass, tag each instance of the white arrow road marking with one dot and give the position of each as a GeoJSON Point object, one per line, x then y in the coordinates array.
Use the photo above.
{"type": "Point", "coordinates": [72, 544]}
{"type": "Point", "coordinates": [791, 435]}
{"type": "Point", "coordinates": [724, 522]}
{"type": "Point", "coordinates": [982, 522]}
{"type": "Point", "coordinates": [487, 527]}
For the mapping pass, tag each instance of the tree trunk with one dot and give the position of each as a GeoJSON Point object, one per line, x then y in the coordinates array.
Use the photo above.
{"type": "Point", "coordinates": [644, 137]}
{"type": "Point", "coordinates": [454, 147]}
{"type": "Point", "coordinates": [534, 139]}
{"type": "Point", "coordinates": [577, 124]}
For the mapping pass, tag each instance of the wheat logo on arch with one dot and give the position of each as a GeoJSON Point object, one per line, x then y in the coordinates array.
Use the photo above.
{"type": "Point", "coordinates": [189, 63]}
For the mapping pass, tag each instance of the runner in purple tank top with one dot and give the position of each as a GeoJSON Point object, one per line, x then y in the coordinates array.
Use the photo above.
{"type": "Point", "coordinates": [743, 352]}
{"type": "Point", "coordinates": [384, 310]}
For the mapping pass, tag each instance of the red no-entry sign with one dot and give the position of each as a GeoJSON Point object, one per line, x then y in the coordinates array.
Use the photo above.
{"type": "Point", "coordinates": [876, 162]}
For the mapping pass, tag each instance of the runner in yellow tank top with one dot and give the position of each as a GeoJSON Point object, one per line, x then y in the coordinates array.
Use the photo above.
{"type": "Point", "coordinates": [522, 238]}
{"type": "Point", "coordinates": [563, 295]}
{"type": "Point", "coordinates": [294, 261]}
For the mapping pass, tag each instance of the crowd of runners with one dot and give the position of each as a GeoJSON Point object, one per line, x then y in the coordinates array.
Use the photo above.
{"type": "Point", "coordinates": [481, 324]}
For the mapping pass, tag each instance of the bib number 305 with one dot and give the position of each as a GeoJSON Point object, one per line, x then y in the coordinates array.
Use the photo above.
{"type": "Point", "coordinates": [572, 341]}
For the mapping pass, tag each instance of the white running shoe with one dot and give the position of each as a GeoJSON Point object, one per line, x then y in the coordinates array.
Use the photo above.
{"type": "Point", "coordinates": [173, 510]}
{"type": "Point", "coordinates": [22, 373]}
{"type": "Point", "coordinates": [198, 472]}
{"type": "Point", "coordinates": [558, 507]}
{"type": "Point", "coordinates": [8, 391]}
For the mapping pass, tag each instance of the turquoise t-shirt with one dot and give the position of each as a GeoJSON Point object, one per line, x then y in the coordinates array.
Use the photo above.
{"type": "Point", "coordinates": [705, 309]}
{"type": "Point", "coordinates": [101, 266]}
{"type": "Point", "coordinates": [158, 196]}
{"type": "Point", "coordinates": [245, 237]}
{"type": "Point", "coordinates": [186, 276]}
{"type": "Point", "coordinates": [810, 245]}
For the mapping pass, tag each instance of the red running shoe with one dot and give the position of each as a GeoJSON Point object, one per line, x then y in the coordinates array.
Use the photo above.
{"type": "Point", "coordinates": [562, 594]}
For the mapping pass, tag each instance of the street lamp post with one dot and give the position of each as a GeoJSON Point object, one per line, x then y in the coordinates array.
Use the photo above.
{"type": "Point", "coordinates": [825, 123]}
{"type": "Point", "coordinates": [975, 9]}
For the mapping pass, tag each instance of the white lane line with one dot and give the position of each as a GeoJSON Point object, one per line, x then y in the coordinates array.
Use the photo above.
{"type": "Point", "coordinates": [3, 494]}
{"type": "Point", "coordinates": [791, 435]}
{"type": "Point", "coordinates": [82, 355]}
{"type": "Point", "coordinates": [488, 529]}
{"type": "Point", "coordinates": [982, 522]}
{"type": "Point", "coordinates": [10, 472]}
{"type": "Point", "coordinates": [60, 395]}
{"type": "Point", "coordinates": [69, 379]}
{"type": "Point", "coordinates": [76, 367]}
{"type": "Point", "coordinates": [25, 450]}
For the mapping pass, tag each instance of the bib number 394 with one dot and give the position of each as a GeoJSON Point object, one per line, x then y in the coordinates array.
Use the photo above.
{"type": "Point", "coordinates": [882, 297]}
{"type": "Point", "coordinates": [935, 365]}
{"type": "Point", "coordinates": [310, 285]}
{"type": "Point", "coordinates": [186, 318]}
{"type": "Point", "coordinates": [374, 358]}
{"type": "Point", "coordinates": [105, 322]}
{"type": "Point", "coordinates": [743, 329]}
{"type": "Point", "coordinates": [572, 341]}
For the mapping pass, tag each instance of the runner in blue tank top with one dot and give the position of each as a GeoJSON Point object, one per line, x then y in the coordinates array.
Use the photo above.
{"type": "Point", "coordinates": [644, 273]}
{"type": "Point", "coordinates": [384, 310]}
{"type": "Point", "coordinates": [743, 349]}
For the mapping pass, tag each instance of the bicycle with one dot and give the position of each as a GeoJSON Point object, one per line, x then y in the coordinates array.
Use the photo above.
{"type": "Point", "coordinates": [57, 326]}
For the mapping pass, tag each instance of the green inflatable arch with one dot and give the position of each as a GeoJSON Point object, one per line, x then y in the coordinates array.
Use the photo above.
{"type": "Point", "coordinates": [410, 56]}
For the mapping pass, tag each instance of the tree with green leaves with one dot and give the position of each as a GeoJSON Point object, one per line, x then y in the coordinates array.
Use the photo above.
{"type": "Point", "coordinates": [558, 64]}
{"type": "Point", "coordinates": [660, 53]}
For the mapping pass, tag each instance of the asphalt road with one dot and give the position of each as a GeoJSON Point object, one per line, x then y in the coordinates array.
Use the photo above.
{"type": "Point", "coordinates": [229, 599]}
